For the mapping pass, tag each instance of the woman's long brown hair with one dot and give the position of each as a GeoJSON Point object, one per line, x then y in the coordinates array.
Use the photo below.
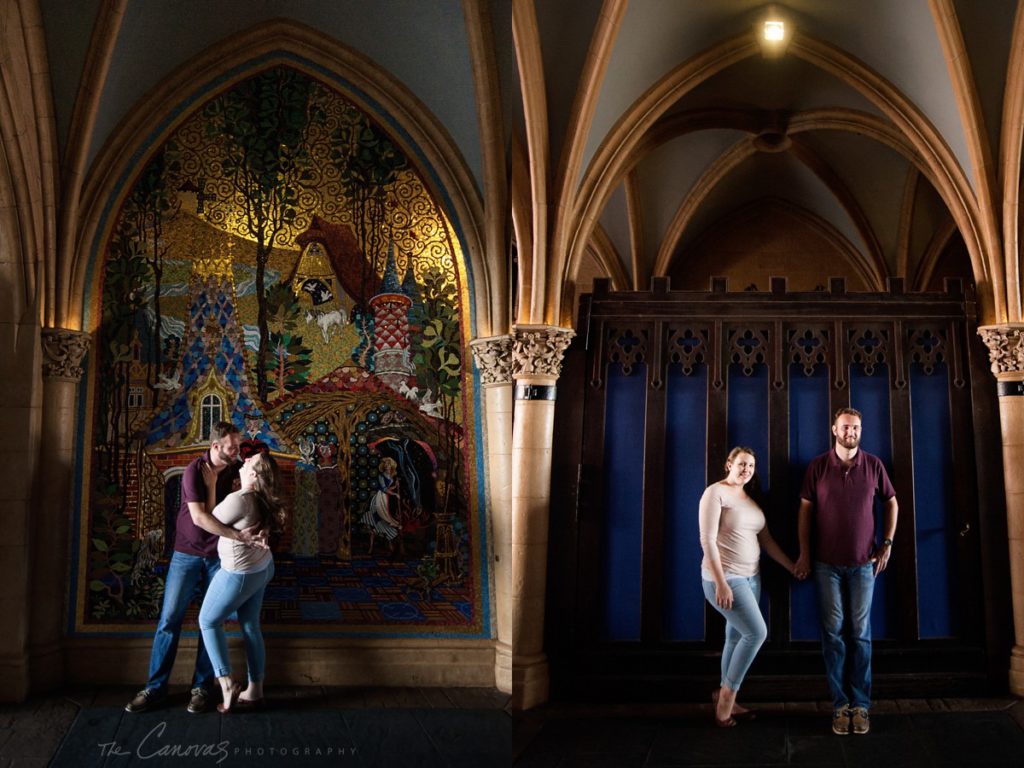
{"type": "Point", "coordinates": [270, 507]}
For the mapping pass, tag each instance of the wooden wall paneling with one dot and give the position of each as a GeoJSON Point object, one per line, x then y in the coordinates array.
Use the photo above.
{"type": "Point", "coordinates": [592, 506]}
{"type": "Point", "coordinates": [778, 513]}
{"type": "Point", "coordinates": [718, 434]}
{"type": "Point", "coordinates": [965, 488]}
{"type": "Point", "coordinates": [566, 498]}
{"type": "Point", "coordinates": [689, 344]}
{"type": "Point", "coordinates": [653, 551]}
{"type": "Point", "coordinates": [810, 344]}
{"type": "Point", "coordinates": [829, 316]}
{"type": "Point", "coordinates": [840, 394]}
{"type": "Point", "coordinates": [904, 554]}
{"type": "Point", "coordinates": [992, 533]}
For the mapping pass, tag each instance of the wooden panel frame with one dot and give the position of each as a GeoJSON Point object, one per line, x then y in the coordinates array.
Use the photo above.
{"type": "Point", "coordinates": [585, 664]}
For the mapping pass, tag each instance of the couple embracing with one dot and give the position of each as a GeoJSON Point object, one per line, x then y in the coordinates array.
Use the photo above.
{"type": "Point", "coordinates": [220, 556]}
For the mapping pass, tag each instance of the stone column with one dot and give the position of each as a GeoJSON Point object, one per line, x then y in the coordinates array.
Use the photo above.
{"type": "Point", "coordinates": [51, 520]}
{"type": "Point", "coordinates": [20, 418]}
{"type": "Point", "coordinates": [494, 360]}
{"type": "Point", "coordinates": [1006, 352]}
{"type": "Point", "coordinates": [537, 362]}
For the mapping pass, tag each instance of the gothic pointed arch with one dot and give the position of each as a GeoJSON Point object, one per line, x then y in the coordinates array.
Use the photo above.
{"type": "Point", "coordinates": [286, 232]}
{"type": "Point", "coordinates": [617, 153]}
{"type": "Point", "coordinates": [289, 43]}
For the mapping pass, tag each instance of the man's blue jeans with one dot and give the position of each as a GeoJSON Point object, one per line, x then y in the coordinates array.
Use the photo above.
{"type": "Point", "coordinates": [231, 592]}
{"type": "Point", "coordinates": [844, 594]}
{"type": "Point", "coordinates": [745, 630]}
{"type": "Point", "coordinates": [188, 577]}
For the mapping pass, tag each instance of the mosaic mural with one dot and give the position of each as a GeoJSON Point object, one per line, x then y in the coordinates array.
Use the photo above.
{"type": "Point", "coordinates": [279, 262]}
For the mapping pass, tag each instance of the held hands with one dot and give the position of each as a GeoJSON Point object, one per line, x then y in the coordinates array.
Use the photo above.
{"type": "Point", "coordinates": [802, 568]}
{"type": "Point", "coordinates": [796, 573]}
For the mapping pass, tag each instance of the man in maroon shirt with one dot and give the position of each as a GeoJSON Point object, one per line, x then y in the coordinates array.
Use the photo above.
{"type": "Point", "coordinates": [192, 567]}
{"type": "Point", "coordinates": [838, 494]}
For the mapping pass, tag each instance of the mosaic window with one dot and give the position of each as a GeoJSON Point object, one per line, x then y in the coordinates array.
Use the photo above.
{"type": "Point", "coordinates": [210, 414]}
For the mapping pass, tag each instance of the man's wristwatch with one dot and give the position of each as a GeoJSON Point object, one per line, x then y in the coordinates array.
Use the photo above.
{"type": "Point", "coordinates": [886, 542]}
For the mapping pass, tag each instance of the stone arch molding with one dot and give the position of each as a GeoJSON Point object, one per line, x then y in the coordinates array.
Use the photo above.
{"type": "Point", "coordinates": [920, 143]}
{"type": "Point", "coordinates": [871, 263]}
{"type": "Point", "coordinates": [419, 134]}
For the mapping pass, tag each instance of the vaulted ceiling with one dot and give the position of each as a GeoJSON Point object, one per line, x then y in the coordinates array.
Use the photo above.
{"type": "Point", "coordinates": [609, 137]}
{"type": "Point", "coordinates": [783, 127]}
{"type": "Point", "coordinates": [879, 121]}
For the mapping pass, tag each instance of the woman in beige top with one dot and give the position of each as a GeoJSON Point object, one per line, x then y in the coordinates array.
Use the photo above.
{"type": "Point", "coordinates": [240, 583]}
{"type": "Point", "coordinates": [732, 533]}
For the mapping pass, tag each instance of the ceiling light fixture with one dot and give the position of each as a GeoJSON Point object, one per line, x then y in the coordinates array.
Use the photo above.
{"type": "Point", "coordinates": [774, 31]}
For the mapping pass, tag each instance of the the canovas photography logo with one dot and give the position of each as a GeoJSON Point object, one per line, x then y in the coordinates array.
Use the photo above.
{"type": "Point", "coordinates": [158, 744]}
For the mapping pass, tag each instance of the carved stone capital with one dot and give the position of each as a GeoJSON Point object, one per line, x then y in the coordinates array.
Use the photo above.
{"type": "Point", "coordinates": [63, 350]}
{"type": "Point", "coordinates": [494, 359]}
{"type": "Point", "coordinates": [538, 350]}
{"type": "Point", "coordinates": [1005, 351]}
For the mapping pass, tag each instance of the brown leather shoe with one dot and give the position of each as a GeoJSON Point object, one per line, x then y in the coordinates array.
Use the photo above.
{"type": "Point", "coordinates": [198, 700]}
{"type": "Point", "coordinates": [145, 699]}
{"type": "Point", "coordinates": [860, 723]}
{"type": "Point", "coordinates": [841, 721]}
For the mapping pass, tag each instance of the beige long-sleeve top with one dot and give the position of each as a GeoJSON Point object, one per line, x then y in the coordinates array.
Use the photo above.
{"type": "Point", "coordinates": [239, 510]}
{"type": "Point", "coordinates": [731, 520]}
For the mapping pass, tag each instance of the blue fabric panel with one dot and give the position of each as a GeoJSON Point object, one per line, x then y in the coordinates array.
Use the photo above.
{"type": "Point", "coordinates": [748, 419]}
{"type": "Point", "coordinates": [748, 426]}
{"type": "Point", "coordinates": [870, 396]}
{"type": "Point", "coordinates": [809, 436]}
{"type": "Point", "coordinates": [625, 407]}
{"type": "Point", "coordinates": [685, 455]}
{"type": "Point", "coordinates": [933, 499]}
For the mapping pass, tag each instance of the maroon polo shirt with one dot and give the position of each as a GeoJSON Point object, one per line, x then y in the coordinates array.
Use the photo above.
{"type": "Point", "coordinates": [189, 537]}
{"type": "Point", "coordinates": [843, 502]}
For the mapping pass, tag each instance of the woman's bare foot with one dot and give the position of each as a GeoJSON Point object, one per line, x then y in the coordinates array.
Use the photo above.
{"type": "Point", "coordinates": [738, 710]}
{"type": "Point", "coordinates": [724, 705]}
{"type": "Point", "coordinates": [229, 692]}
{"type": "Point", "coordinates": [253, 692]}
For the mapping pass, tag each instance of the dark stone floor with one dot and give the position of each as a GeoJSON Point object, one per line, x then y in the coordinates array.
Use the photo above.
{"type": "Point", "coordinates": [919, 732]}
{"type": "Point", "coordinates": [310, 726]}
{"type": "Point", "coordinates": [472, 728]}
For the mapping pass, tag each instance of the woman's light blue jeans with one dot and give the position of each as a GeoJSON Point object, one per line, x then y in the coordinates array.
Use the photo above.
{"type": "Point", "coordinates": [227, 593]}
{"type": "Point", "coordinates": [745, 630]}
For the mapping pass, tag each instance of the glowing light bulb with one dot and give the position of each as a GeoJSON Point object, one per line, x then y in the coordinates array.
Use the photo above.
{"type": "Point", "coordinates": [774, 31]}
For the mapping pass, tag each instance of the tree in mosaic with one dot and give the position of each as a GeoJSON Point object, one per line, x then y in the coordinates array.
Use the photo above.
{"type": "Point", "coordinates": [289, 362]}
{"type": "Point", "coordinates": [127, 278]}
{"type": "Point", "coordinates": [151, 204]}
{"type": "Point", "coordinates": [368, 164]}
{"type": "Point", "coordinates": [259, 163]}
{"type": "Point", "coordinates": [438, 362]}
